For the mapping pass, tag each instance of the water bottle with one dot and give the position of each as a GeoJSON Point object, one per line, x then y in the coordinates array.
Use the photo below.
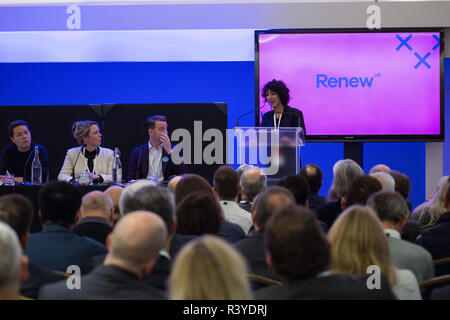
{"type": "Point", "coordinates": [36, 168]}
{"type": "Point", "coordinates": [117, 167]}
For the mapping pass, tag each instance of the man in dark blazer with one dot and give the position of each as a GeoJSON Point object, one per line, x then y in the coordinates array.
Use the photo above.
{"type": "Point", "coordinates": [299, 252]}
{"type": "Point", "coordinates": [135, 244]}
{"type": "Point", "coordinates": [253, 248]}
{"type": "Point", "coordinates": [153, 159]}
{"type": "Point", "coordinates": [56, 247]}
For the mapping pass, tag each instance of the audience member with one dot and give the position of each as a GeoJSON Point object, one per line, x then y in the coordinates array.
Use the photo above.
{"type": "Point", "coordinates": [114, 192]}
{"type": "Point", "coordinates": [429, 212]}
{"type": "Point", "coordinates": [299, 252]}
{"type": "Point", "coordinates": [344, 173]}
{"type": "Point", "coordinates": [190, 183]}
{"type": "Point", "coordinates": [226, 186]}
{"type": "Point", "coordinates": [386, 180]}
{"type": "Point", "coordinates": [252, 183]}
{"type": "Point", "coordinates": [358, 241]}
{"type": "Point", "coordinates": [360, 190]}
{"type": "Point", "coordinates": [379, 168]}
{"type": "Point", "coordinates": [56, 247]}
{"type": "Point", "coordinates": [135, 244]}
{"type": "Point", "coordinates": [17, 211]}
{"type": "Point", "coordinates": [436, 239]}
{"type": "Point", "coordinates": [253, 248]}
{"type": "Point", "coordinates": [198, 214]}
{"type": "Point", "coordinates": [173, 183]}
{"type": "Point", "coordinates": [393, 212]}
{"type": "Point", "coordinates": [209, 269]}
{"type": "Point", "coordinates": [313, 174]}
{"type": "Point", "coordinates": [144, 195]}
{"type": "Point", "coordinates": [412, 228]}
{"type": "Point", "coordinates": [96, 216]}
{"type": "Point", "coordinates": [299, 188]}
{"type": "Point", "coordinates": [13, 265]}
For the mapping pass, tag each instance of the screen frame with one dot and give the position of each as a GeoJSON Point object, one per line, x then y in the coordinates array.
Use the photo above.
{"type": "Point", "coordinates": [361, 138]}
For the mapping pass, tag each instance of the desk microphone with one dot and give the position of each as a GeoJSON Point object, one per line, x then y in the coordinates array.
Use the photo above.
{"type": "Point", "coordinates": [73, 168]}
{"type": "Point", "coordinates": [254, 110]}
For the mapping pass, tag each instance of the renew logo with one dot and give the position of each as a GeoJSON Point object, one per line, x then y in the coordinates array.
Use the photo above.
{"type": "Point", "coordinates": [323, 80]}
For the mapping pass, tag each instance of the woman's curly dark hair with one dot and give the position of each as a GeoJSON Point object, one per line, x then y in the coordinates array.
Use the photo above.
{"type": "Point", "coordinates": [278, 87]}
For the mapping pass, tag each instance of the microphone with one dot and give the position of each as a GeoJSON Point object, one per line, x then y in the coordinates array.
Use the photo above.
{"type": "Point", "coordinates": [237, 121]}
{"type": "Point", "coordinates": [139, 162]}
{"type": "Point", "coordinates": [73, 168]}
{"type": "Point", "coordinates": [26, 162]}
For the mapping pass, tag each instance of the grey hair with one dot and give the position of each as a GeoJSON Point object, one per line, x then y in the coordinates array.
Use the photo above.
{"type": "Point", "coordinates": [10, 260]}
{"type": "Point", "coordinates": [244, 167]}
{"type": "Point", "coordinates": [150, 198]}
{"type": "Point", "coordinates": [80, 129]}
{"type": "Point", "coordinates": [251, 186]}
{"type": "Point", "coordinates": [386, 180]}
{"type": "Point", "coordinates": [389, 205]}
{"type": "Point", "coordinates": [345, 172]}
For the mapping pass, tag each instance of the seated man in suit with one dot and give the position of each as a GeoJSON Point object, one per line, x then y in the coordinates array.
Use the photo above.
{"type": "Point", "coordinates": [153, 159]}
{"type": "Point", "coordinates": [17, 211]}
{"type": "Point", "coordinates": [252, 248]}
{"type": "Point", "coordinates": [299, 252]}
{"type": "Point", "coordinates": [16, 158]}
{"type": "Point", "coordinates": [135, 245]}
{"type": "Point", "coordinates": [56, 247]}
{"type": "Point", "coordinates": [393, 212]}
{"type": "Point", "coordinates": [96, 216]}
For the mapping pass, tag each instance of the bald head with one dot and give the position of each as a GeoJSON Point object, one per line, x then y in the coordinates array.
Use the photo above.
{"type": "Point", "coordinates": [173, 183]}
{"type": "Point", "coordinates": [136, 240]}
{"type": "Point", "coordinates": [253, 182]}
{"type": "Point", "coordinates": [379, 168]}
{"type": "Point", "coordinates": [114, 193]}
{"type": "Point", "coordinates": [98, 204]}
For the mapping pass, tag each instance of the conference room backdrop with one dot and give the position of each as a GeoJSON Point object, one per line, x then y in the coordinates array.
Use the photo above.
{"type": "Point", "coordinates": [139, 58]}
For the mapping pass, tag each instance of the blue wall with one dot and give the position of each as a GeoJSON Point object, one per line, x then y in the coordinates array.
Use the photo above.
{"type": "Point", "coordinates": [158, 82]}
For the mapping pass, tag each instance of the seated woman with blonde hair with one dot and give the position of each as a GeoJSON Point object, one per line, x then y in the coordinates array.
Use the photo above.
{"type": "Point", "coordinates": [89, 158]}
{"type": "Point", "coordinates": [358, 241]}
{"type": "Point", "coordinates": [208, 268]}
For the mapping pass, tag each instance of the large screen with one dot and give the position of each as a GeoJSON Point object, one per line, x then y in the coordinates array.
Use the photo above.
{"type": "Point", "coordinates": [358, 85]}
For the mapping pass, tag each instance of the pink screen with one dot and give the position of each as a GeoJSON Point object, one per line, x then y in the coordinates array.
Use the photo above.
{"type": "Point", "coordinates": [357, 83]}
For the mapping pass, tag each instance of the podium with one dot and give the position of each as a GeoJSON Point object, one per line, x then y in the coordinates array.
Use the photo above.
{"type": "Point", "coordinates": [275, 150]}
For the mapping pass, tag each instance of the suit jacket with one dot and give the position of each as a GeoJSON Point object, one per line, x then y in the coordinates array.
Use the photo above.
{"type": "Point", "coordinates": [406, 255]}
{"type": "Point", "coordinates": [329, 212]}
{"type": "Point", "coordinates": [231, 232]}
{"type": "Point", "coordinates": [254, 251]}
{"type": "Point", "coordinates": [75, 163]}
{"type": "Point", "coordinates": [436, 239]}
{"type": "Point", "coordinates": [331, 287]}
{"type": "Point", "coordinates": [104, 283]}
{"type": "Point", "coordinates": [157, 278]}
{"type": "Point", "coordinates": [138, 167]}
{"type": "Point", "coordinates": [96, 228]}
{"type": "Point", "coordinates": [37, 277]}
{"type": "Point", "coordinates": [316, 201]}
{"type": "Point", "coordinates": [56, 248]}
{"type": "Point", "coordinates": [290, 118]}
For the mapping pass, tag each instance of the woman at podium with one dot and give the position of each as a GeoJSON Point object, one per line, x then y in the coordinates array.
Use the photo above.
{"type": "Point", "coordinates": [277, 94]}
